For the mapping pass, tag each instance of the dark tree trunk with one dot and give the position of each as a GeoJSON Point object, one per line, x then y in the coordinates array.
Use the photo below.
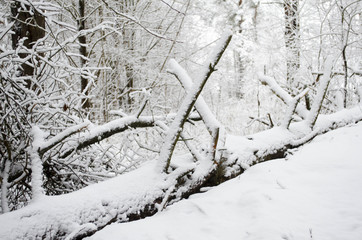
{"type": "Point", "coordinates": [344, 56]}
{"type": "Point", "coordinates": [30, 27]}
{"type": "Point", "coordinates": [83, 52]}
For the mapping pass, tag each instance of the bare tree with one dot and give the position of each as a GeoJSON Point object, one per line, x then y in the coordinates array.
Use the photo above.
{"type": "Point", "coordinates": [292, 40]}
{"type": "Point", "coordinates": [83, 52]}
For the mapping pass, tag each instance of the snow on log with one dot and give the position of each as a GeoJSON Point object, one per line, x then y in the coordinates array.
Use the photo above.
{"type": "Point", "coordinates": [143, 192]}
{"type": "Point", "coordinates": [128, 197]}
{"type": "Point", "coordinates": [243, 152]}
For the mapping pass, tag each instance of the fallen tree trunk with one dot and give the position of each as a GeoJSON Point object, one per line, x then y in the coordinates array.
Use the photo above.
{"type": "Point", "coordinates": [145, 191]}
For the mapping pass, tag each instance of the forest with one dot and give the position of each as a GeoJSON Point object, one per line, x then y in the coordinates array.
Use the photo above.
{"type": "Point", "coordinates": [114, 110]}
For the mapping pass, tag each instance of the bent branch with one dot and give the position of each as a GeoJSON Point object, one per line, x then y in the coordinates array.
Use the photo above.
{"type": "Point", "coordinates": [282, 94]}
{"type": "Point", "coordinates": [109, 129]}
{"type": "Point", "coordinates": [176, 127]}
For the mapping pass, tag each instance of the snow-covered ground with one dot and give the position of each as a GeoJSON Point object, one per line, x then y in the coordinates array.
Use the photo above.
{"type": "Point", "coordinates": [316, 193]}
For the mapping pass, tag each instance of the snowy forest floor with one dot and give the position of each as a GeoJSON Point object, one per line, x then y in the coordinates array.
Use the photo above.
{"type": "Point", "coordinates": [315, 193]}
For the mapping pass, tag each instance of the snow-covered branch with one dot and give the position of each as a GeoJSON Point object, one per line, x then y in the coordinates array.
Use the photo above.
{"type": "Point", "coordinates": [99, 133]}
{"type": "Point", "coordinates": [292, 105]}
{"type": "Point", "coordinates": [321, 93]}
{"type": "Point", "coordinates": [176, 127]}
{"type": "Point", "coordinates": [211, 123]}
{"type": "Point", "coordinates": [4, 187]}
{"type": "Point", "coordinates": [281, 93]}
{"type": "Point", "coordinates": [140, 193]}
{"type": "Point", "coordinates": [215, 128]}
{"type": "Point", "coordinates": [61, 136]}
{"type": "Point", "coordinates": [36, 162]}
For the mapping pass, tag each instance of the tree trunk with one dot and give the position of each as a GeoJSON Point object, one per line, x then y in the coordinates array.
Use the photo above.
{"type": "Point", "coordinates": [30, 26]}
{"type": "Point", "coordinates": [344, 55]}
{"type": "Point", "coordinates": [292, 41]}
{"type": "Point", "coordinates": [128, 43]}
{"type": "Point", "coordinates": [83, 52]}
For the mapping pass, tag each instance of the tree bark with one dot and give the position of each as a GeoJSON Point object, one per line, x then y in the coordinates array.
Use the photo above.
{"type": "Point", "coordinates": [30, 28]}
{"type": "Point", "coordinates": [292, 41]}
{"type": "Point", "coordinates": [83, 53]}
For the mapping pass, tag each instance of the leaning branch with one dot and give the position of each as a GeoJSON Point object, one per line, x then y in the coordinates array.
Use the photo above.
{"type": "Point", "coordinates": [211, 123]}
{"type": "Point", "coordinates": [321, 93]}
{"type": "Point", "coordinates": [102, 132]}
{"type": "Point", "coordinates": [281, 93]}
{"type": "Point", "coordinates": [60, 137]}
{"type": "Point", "coordinates": [215, 128]}
{"type": "Point", "coordinates": [291, 108]}
{"type": "Point", "coordinates": [176, 127]}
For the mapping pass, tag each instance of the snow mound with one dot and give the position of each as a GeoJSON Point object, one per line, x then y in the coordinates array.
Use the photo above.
{"type": "Point", "coordinates": [315, 193]}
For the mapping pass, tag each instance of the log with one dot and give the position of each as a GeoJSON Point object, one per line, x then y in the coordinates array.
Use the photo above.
{"type": "Point", "coordinates": [145, 191]}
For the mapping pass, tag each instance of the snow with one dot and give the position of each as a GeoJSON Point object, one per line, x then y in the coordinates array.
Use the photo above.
{"type": "Point", "coordinates": [4, 188]}
{"type": "Point", "coordinates": [313, 194]}
{"type": "Point", "coordinates": [316, 180]}
{"type": "Point", "coordinates": [36, 163]}
{"type": "Point", "coordinates": [66, 213]}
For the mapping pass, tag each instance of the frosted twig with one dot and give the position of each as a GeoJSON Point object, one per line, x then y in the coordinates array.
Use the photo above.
{"type": "Point", "coordinates": [136, 21]}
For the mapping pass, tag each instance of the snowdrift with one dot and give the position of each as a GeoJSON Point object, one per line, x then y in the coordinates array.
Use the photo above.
{"type": "Point", "coordinates": [315, 193]}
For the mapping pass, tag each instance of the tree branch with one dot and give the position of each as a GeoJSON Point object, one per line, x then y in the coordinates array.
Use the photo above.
{"type": "Point", "coordinates": [134, 20]}
{"type": "Point", "coordinates": [321, 93]}
{"type": "Point", "coordinates": [292, 105]}
{"type": "Point", "coordinates": [281, 93]}
{"type": "Point", "coordinates": [186, 106]}
{"type": "Point", "coordinates": [102, 132]}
